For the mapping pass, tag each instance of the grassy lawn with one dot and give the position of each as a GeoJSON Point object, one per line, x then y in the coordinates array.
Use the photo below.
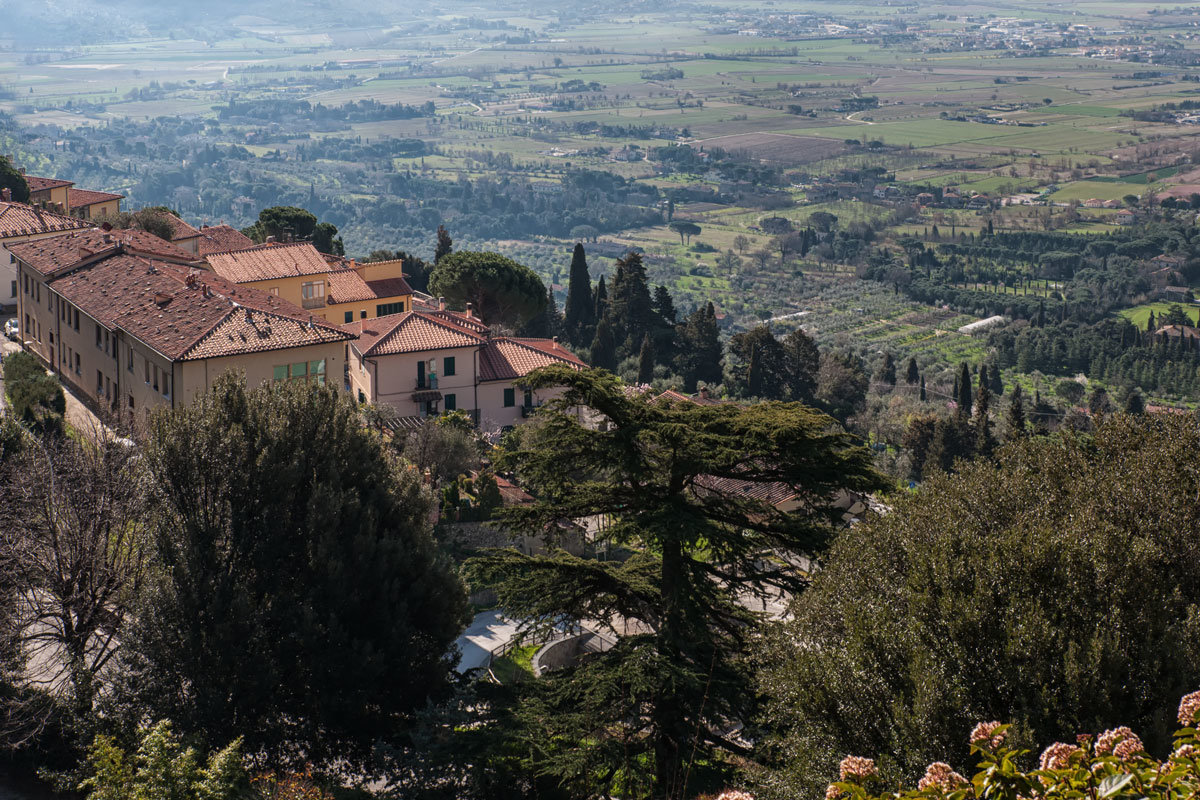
{"type": "Point", "coordinates": [517, 665]}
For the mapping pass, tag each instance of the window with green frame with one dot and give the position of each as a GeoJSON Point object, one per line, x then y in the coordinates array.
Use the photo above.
{"type": "Point", "coordinates": [451, 402]}
{"type": "Point", "coordinates": [383, 309]}
{"type": "Point", "coordinates": [349, 316]}
{"type": "Point", "coordinates": [510, 397]}
{"type": "Point", "coordinates": [448, 366]}
{"type": "Point", "coordinates": [301, 371]}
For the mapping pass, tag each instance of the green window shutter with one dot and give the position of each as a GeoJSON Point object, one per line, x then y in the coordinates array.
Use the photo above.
{"type": "Point", "coordinates": [510, 397]}
{"type": "Point", "coordinates": [448, 366]}
{"type": "Point", "coordinates": [451, 402]}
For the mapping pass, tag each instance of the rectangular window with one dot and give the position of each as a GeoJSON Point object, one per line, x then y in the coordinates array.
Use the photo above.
{"type": "Point", "coordinates": [98, 339]}
{"type": "Point", "coordinates": [316, 369]}
{"type": "Point", "coordinates": [298, 371]}
{"type": "Point", "coordinates": [147, 362]}
{"type": "Point", "coordinates": [528, 398]}
{"type": "Point", "coordinates": [349, 316]}
{"type": "Point", "coordinates": [383, 309]}
{"type": "Point", "coordinates": [510, 398]}
{"type": "Point", "coordinates": [312, 294]}
{"type": "Point", "coordinates": [70, 357]}
{"type": "Point", "coordinates": [78, 366]}
{"type": "Point", "coordinates": [166, 384]}
{"type": "Point", "coordinates": [420, 374]}
{"type": "Point", "coordinates": [77, 320]}
{"type": "Point", "coordinates": [280, 372]}
{"type": "Point", "coordinates": [38, 287]}
{"type": "Point", "coordinates": [99, 382]}
{"type": "Point", "coordinates": [155, 378]}
{"type": "Point", "coordinates": [448, 366]}
{"type": "Point", "coordinates": [274, 290]}
{"type": "Point", "coordinates": [451, 402]}
{"type": "Point", "coordinates": [362, 314]}
{"type": "Point", "coordinates": [14, 288]}
{"type": "Point", "coordinates": [130, 402]}
{"type": "Point", "coordinates": [129, 366]}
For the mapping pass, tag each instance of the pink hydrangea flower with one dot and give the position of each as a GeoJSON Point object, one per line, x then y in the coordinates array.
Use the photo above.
{"type": "Point", "coordinates": [985, 735]}
{"type": "Point", "coordinates": [735, 794]}
{"type": "Point", "coordinates": [1111, 738]}
{"type": "Point", "coordinates": [832, 792]}
{"type": "Point", "coordinates": [939, 775]}
{"type": "Point", "coordinates": [1189, 706]}
{"type": "Point", "coordinates": [1056, 755]}
{"type": "Point", "coordinates": [1129, 748]}
{"type": "Point", "coordinates": [1185, 751]}
{"type": "Point", "coordinates": [856, 768]}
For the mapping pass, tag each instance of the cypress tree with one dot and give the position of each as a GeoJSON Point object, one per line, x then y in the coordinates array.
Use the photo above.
{"type": "Point", "coordinates": [445, 245]}
{"type": "Point", "coordinates": [664, 305]}
{"type": "Point", "coordinates": [983, 378]}
{"type": "Point", "coordinates": [1041, 315]}
{"type": "Point", "coordinates": [984, 443]}
{"type": "Point", "coordinates": [600, 301]}
{"type": "Point", "coordinates": [646, 361]}
{"type": "Point", "coordinates": [754, 376]}
{"type": "Point", "coordinates": [913, 375]}
{"type": "Point", "coordinates": [1016, 414]}
{"type": "Point", "coordinates": [887, 370]}
{"type": "Point", "coordinates": [579, 312]}
{"type": "Point", "coordinates": [923, 396]}
{"type": "Point", "coordinates": [1150, 326]}
{"type": "Point", "coordinates": [964, 390]}
{"type": "Point", "coordinates": [604, 349]}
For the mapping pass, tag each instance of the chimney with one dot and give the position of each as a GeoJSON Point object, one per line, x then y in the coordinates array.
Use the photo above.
{"type": "Point", "coordinates": [108, 238]}
{"type": "Point", "coordinates": [84, 253]}
{"type": "Point", "coordinates": [161, 299]}
{"type": "Point", "coordinates": [270, 240]}
{"type": "Point", "coordinates": [556, 340]}
{"type": "Point", "coordinates": [470, 309]}
{"type": "Point", "coordinates": [704, 392]}
{"type": "Point", "coordinates": [353, 264]}
{"type": "Point", "coordinates": [441, 304]}
{"type": "Point", "coordinates": [6, 194]}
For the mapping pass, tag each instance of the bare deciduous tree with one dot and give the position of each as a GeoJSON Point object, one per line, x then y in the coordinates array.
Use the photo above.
{"type": "Point", "coordinates": [74, 552]}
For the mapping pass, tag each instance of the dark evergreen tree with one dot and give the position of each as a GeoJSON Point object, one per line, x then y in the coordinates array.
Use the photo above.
{"type": "Point", "coordinates": [579, 313]}
{"type": "Point", "coordinates": [1134, 402]}
{"type": "Point", "coordinates": [600, 301]}
{"type": "Point", "coordinates": [1016, 414]}
{"type": "Point", "coordinates": [631, 721]}
{"type": "Point", "coordinates": [12, 179]}
{"type": "Point", "coordinates": [664, 305]}
{"type": "Point", "coordinates": [803, 366]}
{"type": "Point", "coordinates": [547, 323]}
{"type": "Point", "coordinates": [629, 305]}
{"type": "Point", "coordinates": [758, 365]}
{"type": "Point", "coordinates": [923, 396]}
{"type": "Point", "coordinates": [985, 443]}
{"type": "Point", "coordinates": [887, 370]}
{"type": "Point", "coordinates": [698, 356]}
{"type": "Point", "coordinates": [646, 361]}
{"type": "Point", "coordinates": [1041, 314]}
{"type": "Point", "coordinates": [964, 390]}
{"type": "Point", "coordinates": [913, 375]}
{"type": "Point", "coordinates": [604, 349]}
{"type": "Point", "coordinates": [444, 246]}
{"type": "Point", "coordinates": [303, 603]}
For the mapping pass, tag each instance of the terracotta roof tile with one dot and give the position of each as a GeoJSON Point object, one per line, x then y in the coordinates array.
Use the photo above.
{"type": "Point", "coordinates": [506, 358]}
{"type": "Point", "coordinates": [56, 254]}
{"type": "Point", "coordinates": [219, 238]}
{"type": "Point", "coordinates": [82, 198]}
{"type": "Point", "coordinates": [42, 184]}
{"type": "Point", "coordinates": [389, 287]}
{"type": "Point", "coordinates": [187, 314]}
{"type": "Point", "coordinates": [410, 332]}
{"type": "Point", "coordinates": [347, 286]}
{"type": "Point", "coordinates": [180, 230]}
{"type": "Point", "coordinates": [265, 262]}
{"type": "Point", "coordinates": [19, 219]}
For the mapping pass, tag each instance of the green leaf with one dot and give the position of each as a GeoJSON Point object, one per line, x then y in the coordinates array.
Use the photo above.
{"type": "Point", "coordinates": [1111, 785]}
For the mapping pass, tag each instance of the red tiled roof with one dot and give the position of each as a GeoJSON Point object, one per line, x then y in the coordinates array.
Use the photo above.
{"type": "Point", "coordinates": [389, 287]}
{"type": "Point", "coordinates": [82, 198]}
{"type": "Point", "coordinates": [56, 254]}
{"type": "Point", "coordinates": [180, 230]}
{"type": "Point", "coordinates": [506, 358]}
{"type": "Point", "coordinates": [410, 332]}
{"type": "Point", "coordinates": [42, 184]}
{"type": "Point", "coordinates": [265, 262]}
{"type": "Point", "coordinates": [188, 314]}
{"type": "Point", "coordinates": [219, 238]}
{"type": "Point", "coordinates": [347, 286]}
{"type": "Point", "coordinates": [19, 219]}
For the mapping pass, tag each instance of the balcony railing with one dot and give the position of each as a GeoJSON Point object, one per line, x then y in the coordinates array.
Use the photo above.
{"type": "Point", "coordinates": [313, 302]}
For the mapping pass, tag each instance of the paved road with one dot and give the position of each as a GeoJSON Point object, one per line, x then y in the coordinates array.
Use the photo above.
{"type": "Point", "coordinates": [486, 632]}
